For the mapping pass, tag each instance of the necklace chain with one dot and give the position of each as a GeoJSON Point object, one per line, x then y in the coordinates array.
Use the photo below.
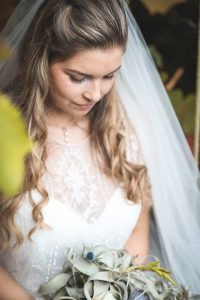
{"type": "Point", "coordinates": [64, 128]}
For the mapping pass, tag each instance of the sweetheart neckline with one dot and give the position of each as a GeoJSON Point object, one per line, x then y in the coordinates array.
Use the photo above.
{"type": "Point", "coordinates": [105, 212]}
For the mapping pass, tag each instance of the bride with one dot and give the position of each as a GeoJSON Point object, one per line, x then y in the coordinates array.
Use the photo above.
{"type": "Point", "coordinates": [108, 147]}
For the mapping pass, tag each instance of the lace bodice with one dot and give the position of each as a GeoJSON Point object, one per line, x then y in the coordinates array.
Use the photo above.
{"type": "Point", "coordinates": [85, 206]}
{"type": "Point", "coordinates": [76, 181]}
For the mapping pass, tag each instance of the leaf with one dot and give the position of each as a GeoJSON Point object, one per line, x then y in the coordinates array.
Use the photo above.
{"type": "Point", "coordinates": [104, 276]}
{"type": "Point", "coordinates": [156, 56]}
{"type": "Point", "coordinates": [55, 284]}
{"type": "Point", "coordinates": [184, 106]}
{"type": "Point", "coordinates": [88, 290]}
{"type": "Point", "coordinates": [109, 296]}
{"type": "Point", "coordinates": [14, 145]}
{"type": "Point", "coordinates": [60, 294]}
{"type": "Point", "coordinates": [188, 121]}
{"type": "Point", "coordinates": [164, 76]}
{"type": "Point", "coordinates": [85, 267]}
{"type": "Point", "coordinates": [154, 267]}
{"type": "Point", "coordinates": [74, 292]}
{"type": "Point", "coordinates": [107, 259]}
{"type": "Point", "coordinates": [5, 51]}
{"type": "Point", "coordinates": [100, 287]}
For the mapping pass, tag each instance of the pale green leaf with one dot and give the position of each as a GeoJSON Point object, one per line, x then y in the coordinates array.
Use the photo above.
{"type": "Point", "coordinates": [14, 145]}
{"type": "Point", "coordinates": [100, 287]}
{"type": "Point", "coordinates": [104, 276]}
{"type": "Point", "coordinates": [109, 296]}
{"type": "Point", "coordinates": [55, 284]}
{"type": "Point", "coordinates": [85, 267]}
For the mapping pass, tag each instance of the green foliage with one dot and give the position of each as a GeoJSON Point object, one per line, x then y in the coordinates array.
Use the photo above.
{"type": "Point", "coordinates": [14, 145]}
{"type": "Point", "coordinates": [164, 76]}
{"type": "Point", "coordinates": [156, 56]}
{"type": "Point", "coordinates": [184, 106]}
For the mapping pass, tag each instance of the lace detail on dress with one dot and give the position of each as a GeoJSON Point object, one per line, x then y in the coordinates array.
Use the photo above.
{"type": "Point", "coordinates": [76, 180]}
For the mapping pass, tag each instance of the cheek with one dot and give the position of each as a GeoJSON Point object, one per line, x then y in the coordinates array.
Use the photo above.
{"type": "Point", "coordinates": [107, 86]}
{"type": "Point", "coordinates": [63, 87]}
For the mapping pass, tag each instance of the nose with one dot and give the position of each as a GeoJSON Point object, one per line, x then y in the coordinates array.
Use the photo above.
{"type": "Point", "coordinates": [93, 91]}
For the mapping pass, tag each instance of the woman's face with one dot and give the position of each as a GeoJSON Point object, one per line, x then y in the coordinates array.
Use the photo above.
{"type": "Point", "coordinates": [78, 83]}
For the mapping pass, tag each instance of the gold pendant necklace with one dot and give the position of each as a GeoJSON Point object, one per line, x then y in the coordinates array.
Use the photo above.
{"type": "Point", "coordinates": [66, 134]}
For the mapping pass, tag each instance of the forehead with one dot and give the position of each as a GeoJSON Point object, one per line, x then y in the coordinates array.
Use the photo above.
{"type": "Point", "coordinates": [96, 62]}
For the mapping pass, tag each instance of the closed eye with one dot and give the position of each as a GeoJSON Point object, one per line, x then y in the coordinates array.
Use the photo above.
{"type": "Point", "coordinates": [109, 77]}
{"type": "Point", "coordinates": [73, 79]}
{"type": "Point", "coordinates": [76, 80]}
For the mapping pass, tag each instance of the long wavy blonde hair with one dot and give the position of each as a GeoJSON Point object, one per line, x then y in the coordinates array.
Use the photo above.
{"type": "Point", "coordinates": [59, 30]}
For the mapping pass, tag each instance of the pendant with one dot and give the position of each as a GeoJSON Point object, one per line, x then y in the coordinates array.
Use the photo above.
{"type": "Point", "coordinates": [66, 134]}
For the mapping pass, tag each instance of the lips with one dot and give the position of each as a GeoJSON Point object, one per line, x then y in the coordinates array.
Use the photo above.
{"type": "Point", "coordinates": [84, 106]}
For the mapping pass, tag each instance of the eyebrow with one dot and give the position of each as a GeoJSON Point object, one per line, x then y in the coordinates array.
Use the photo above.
{"type": "Point", "coordinates": [89, 75]}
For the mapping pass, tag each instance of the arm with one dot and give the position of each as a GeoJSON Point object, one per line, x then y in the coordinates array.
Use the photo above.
{"type": "Point", "coordinates": [10, 289]}
{"type": "Point", "coordinates": [138, 241]}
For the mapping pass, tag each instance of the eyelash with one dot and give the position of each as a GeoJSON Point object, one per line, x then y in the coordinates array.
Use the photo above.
{"type": "Point", "coordinates": [81, 80]}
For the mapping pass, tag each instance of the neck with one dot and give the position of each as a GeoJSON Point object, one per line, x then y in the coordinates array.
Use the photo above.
{"type": "Point", "coordinates": [60, 119]}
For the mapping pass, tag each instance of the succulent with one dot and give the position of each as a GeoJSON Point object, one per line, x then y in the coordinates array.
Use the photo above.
{"type": "Point", "coordinates": [101, 273]}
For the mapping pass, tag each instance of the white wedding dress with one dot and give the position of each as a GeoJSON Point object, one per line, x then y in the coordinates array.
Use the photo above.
{"type": "Point", "coordinates": [85, 207]}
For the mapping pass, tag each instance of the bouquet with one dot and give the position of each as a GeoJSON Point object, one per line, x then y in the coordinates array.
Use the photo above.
{"type": "Point", "coordinates": [101, 273]}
